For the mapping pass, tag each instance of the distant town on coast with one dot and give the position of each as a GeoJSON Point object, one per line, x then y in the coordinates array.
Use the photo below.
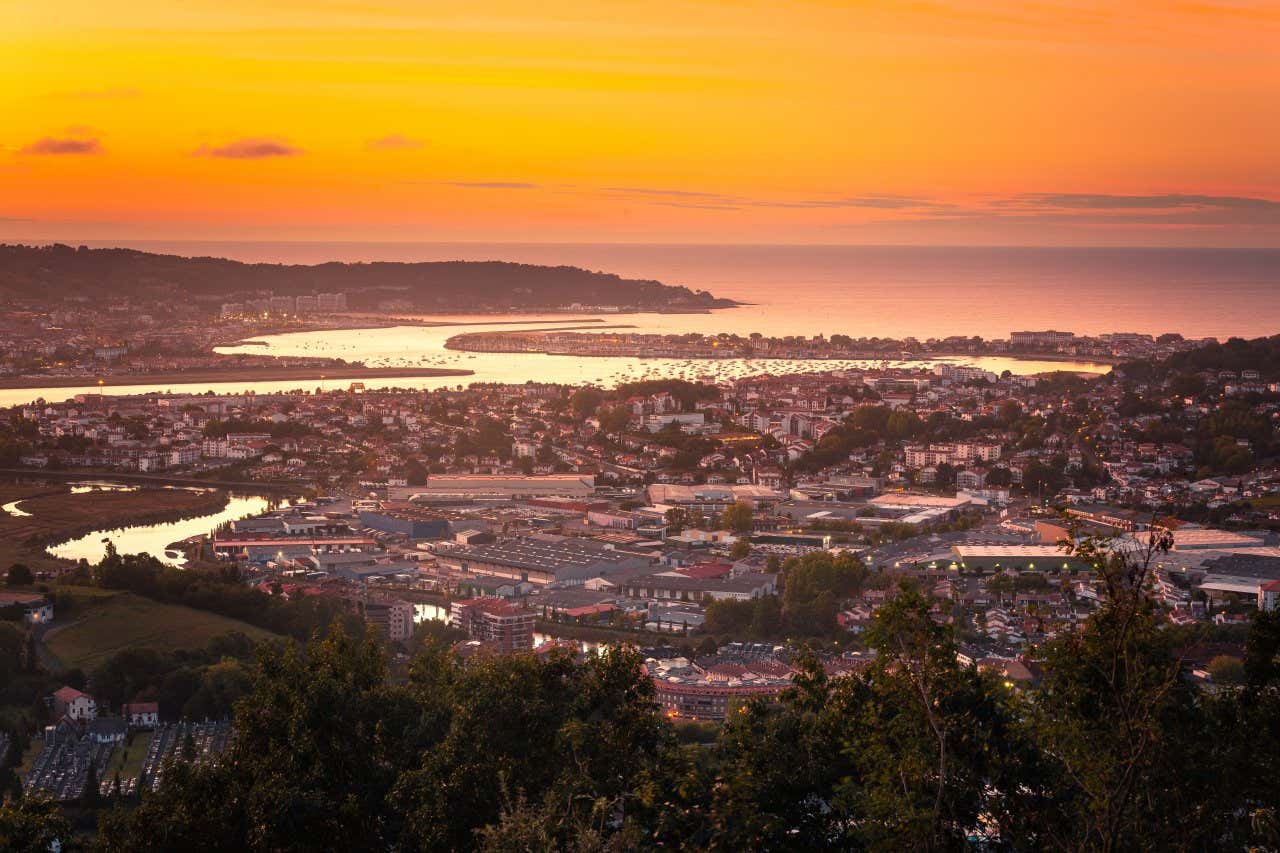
{"type": "Point", "coordinates": [665, 427]}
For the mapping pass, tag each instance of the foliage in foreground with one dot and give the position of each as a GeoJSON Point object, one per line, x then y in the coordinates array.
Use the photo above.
{"type": "Point", "coordinates": [1114, 751]}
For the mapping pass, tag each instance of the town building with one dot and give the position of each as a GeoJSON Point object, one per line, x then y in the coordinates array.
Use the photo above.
{"type": "Point", "coordinates": [392, 619]}
{"type": "Point", "coordinates": [504, 626]}
{"type": "Point", "coordinates": [497, 486]}
{"type": "Point", "coordinates": [69, 702]}
{"type": "Point", "coordinates": [141, 715]}
{"type": "Point", "coordinates": [539, 559]}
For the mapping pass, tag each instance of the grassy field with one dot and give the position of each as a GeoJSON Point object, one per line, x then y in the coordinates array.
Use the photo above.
{"type": "Point", "coordinates": [56, 514]}
{"type": "Point", "coordinates": [110, 623]}
{"type": "Point", "coordinates": [127, 759]}
{"type": "Point", "coordinates": [38, 561]}
{"type": "Point", "coordinates": [29, 757]}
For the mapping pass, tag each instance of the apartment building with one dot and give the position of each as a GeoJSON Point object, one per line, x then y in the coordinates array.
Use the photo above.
{"type": "Point", "coordinates": [491, 620]}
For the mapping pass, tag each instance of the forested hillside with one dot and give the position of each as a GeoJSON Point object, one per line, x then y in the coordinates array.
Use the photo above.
{"type": "Point", "coordinates": [30, 272]}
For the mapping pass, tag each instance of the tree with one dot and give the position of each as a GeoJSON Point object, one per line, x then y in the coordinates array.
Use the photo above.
{"type": "Point", "coordinates": [415, 473]}
{"type": "Point", "coordinates": [676, 519]}
{"type": "Point", "coordinates": [12, 651]}
{"type": "Point", "coordinates": [738, 517]}
{"type": "Point", "coordinates": [325, 747]}
{"type": "Point", "coordinates": [19, 575]}
{"type": "Point", "coordinates": [293, 769]}
{"type": "Point", "coordinates": [945, 479]}
{"type": "Point", "coordinates": [32, 825]}
{"type": "Point", "coordinates": [1010, 412]}
{"type": "Point", "coordinates": [1225, 669]}
{"type": "Point", "coordinates": [999, 477]}
{"type": "Point", "coordinates": [778, 770]}
{"type": "Point", "coordinates": [614, 419]}
{"type": "Point", "coordinates": [91, 796]}
{"type": "Point", "coordinates": [581, 738]}
{"type": "Point", "coordinates": [740, 549]}
{"type": "Point", "coordinates": [1119, 732]}
{"type": "Point", "coordinates": [925, 734]}
{"type": "Point", "coordinates": [127, 672]}
{"type": "Point", "coordinates": [585, 401]}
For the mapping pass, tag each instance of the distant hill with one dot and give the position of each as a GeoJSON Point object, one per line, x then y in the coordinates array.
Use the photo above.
{"type": "Point", "coordinates": [58, 271]}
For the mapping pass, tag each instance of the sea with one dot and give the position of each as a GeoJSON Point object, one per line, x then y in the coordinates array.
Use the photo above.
{"type": "Point", "coordinates": [860, 291]}
{"type": "Point", "coordinates": [889, 291]}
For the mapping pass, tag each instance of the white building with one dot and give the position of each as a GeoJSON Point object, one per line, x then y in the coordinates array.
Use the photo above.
{"type": "Point", "coordinates": [69, 702]}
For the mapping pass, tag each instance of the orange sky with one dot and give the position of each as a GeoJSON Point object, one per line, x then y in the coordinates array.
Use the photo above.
{"type": "Point", "coordinates": [926, 121]}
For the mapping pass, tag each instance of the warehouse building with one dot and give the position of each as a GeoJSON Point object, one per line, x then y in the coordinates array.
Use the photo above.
{"type": "Point", "coordinates": [498, 486]}
{"type": "Point", "coordinates": [411, 522]}
{"type": "Point", "coordinates": [989, 558]}
{"type": "Point", "coordinates": [539, 559]}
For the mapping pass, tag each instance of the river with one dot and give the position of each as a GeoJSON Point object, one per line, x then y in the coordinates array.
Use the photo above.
{"type": "Point", "coordinates": [424, 346]}
{"type": "Point", "coordinates": [153, 539]}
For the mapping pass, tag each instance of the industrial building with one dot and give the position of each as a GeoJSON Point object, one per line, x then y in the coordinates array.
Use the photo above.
{"type": "Point", "coordinates": [498, 486]}
{"type": "Point", "coordinates": [713, 498]}
{"type": "Point", "coordinates": [988, 558]}
{"type": "Point", "coordinates": [539, 559]}
{"type": "Point", "coordinates": [408, 521]}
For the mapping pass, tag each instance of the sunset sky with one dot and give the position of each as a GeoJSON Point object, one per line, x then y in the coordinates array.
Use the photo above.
{"type": "Point", "coordinates": [805, 121]}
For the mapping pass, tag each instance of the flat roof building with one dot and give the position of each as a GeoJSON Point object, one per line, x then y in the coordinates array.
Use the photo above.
{"type": "Point", "coordinates": [983, 557]}
{"type": "Point", "coordinates": [1209, 539]}
{"type": "Point", "coordinates": [1115, 518]}
{"type": "Point", "coordinates": [909, 503]}
{"type": "Point", "coordinates": [498, 486]}
{"type": "Point", "coordinates": [540, 559]}
{"type": "Point", "coordinates": [413, 523]}
{"type": "Point", "coordinates": [713, 497]}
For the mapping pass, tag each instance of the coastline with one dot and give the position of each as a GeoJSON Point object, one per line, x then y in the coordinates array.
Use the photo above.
{"type": "Point", "coordinates": [243, 374]}
{"type": "Point", "coordinates": [366, 320]}
{"type": "Point", "coordinates": [465, 342]}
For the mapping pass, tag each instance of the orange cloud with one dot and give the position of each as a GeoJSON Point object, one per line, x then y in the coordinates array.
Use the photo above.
{"type": "Point", "coordinates": [394, 142]}
{"type": "Point", "coordinates": [63, 145]}
{"type": "Point", "coordinates": [250, 149]}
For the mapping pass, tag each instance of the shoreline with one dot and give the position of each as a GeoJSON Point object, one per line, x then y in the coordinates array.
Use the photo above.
{"type": "Point", "coordinates": [457, 343]}
{"type": "Point", "coordinates": [368, 320]}
{"type": "Point", "coordinates": [599, 324]}
{"type": "Point", "coordinates": [242, 374]}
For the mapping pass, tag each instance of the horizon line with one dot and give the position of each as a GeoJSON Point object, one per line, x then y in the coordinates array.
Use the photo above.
{"type": "Point", "coordinates": [122, 243]}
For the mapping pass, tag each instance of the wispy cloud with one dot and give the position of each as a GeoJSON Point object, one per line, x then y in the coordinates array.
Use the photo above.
{"type": "Point", "coordinates": [62, 145]}
{"type": "Point", "coordinates": [394, 142]}
{"type": "Point", "coordinates": [723, 201]}
{"type": "Point", "coordinates": [875, 202]}
{"type": "Point", "coordinates": [699, 205]}
{"type": "Point", "coordinates": [1165, 201]}
{"type": "Point", "coordinates": [662, 192]}
{"type": "Point", "coordinates": [1101, 209]}
{"type": "Point", "coordinates": [1052, 209]}
{"type": "Point", "coordinates": [1045, 208]}
{"type": "Point", "coordinates": [252, 148]}
{"type": "Point", "coordinates": [492, 185]}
